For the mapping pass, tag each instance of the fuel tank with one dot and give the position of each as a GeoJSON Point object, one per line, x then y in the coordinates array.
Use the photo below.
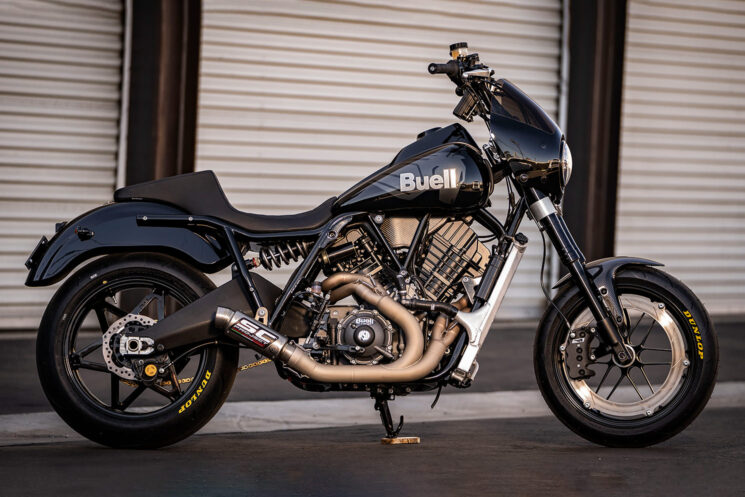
{"type": "Point", "coordinates": [443, 171]}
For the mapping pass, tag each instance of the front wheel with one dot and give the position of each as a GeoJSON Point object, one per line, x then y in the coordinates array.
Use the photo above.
{"type": "Point", "coordinates": [667, 385]}
{"type": "Point", "coordinates": [91, 384]}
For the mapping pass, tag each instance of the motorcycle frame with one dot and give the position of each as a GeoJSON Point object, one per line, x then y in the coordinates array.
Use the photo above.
{"type": "Point", "coordinates": [606, 311]}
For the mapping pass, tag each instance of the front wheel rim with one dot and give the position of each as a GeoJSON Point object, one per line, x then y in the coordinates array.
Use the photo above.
{"type": "Point", "coordinates": [650, 397]}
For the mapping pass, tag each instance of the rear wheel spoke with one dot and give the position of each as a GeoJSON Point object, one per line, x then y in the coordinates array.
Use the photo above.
{"type": "Point", "coordinates": [112, 309]}
{"type": "Point", "coordinates": [132, 397]}
{"type": "Point", "coordinates": [103, 323]}
{"type": "Point", "coordinates": [89, 348]}
{"type": "Point", "coordinates": [153, 295]}
{"type": "Point", "coordinates": [115, 391]}
{"type": "Point", "coordinates": [656, 363]}
{"type": "Point", "coordinates": [174, 380]}
{"type": "Point", "coordinates": [77, 363]}
{"type": "Point", "coordinates": [170, 395]}
{"type": "Point", "coordinates": [161, 305]}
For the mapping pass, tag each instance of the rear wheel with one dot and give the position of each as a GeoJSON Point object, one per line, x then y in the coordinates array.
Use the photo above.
{"type": "Point", "coordinates": [675, 353]}
{"type": "Point", "coordinates": [90, 383]}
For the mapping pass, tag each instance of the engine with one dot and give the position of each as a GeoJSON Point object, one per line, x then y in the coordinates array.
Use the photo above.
{"type": "Point", "coordinates": [450, 252]}
{"type": "Point", "coordinates": [359, 334]}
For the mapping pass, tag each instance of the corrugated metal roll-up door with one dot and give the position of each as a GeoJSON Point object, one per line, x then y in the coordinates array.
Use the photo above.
{"type": "Point", "coordinates": [682, 182]}
{"type": "Point", "coordinates": [60, 75]}
{"type": "Point", "coordinates": [301, 99]}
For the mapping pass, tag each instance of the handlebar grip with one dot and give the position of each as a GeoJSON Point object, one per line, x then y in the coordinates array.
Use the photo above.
{"type": "Point", "coordinates": [451, 68]}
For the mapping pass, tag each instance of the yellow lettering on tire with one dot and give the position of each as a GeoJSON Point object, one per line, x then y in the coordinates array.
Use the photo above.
{"type": "Point", "coordinates": [696, 333]}
{"type": "Point", "coordinates": [196, 395]}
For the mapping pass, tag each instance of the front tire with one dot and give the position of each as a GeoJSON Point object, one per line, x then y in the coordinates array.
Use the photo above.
{"type": "Point", "coordinates": [103, 406]}
{"type": "Point", "coordinates": [671, 379]}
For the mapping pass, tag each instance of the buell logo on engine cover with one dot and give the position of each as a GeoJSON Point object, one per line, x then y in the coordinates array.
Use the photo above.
{"type": "Point", "coordinates": [253, 332]}
{"type": "Point", "coordinates": [409, 181]}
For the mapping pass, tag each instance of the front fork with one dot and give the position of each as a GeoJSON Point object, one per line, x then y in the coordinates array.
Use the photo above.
{"type": "Point", "coordinates": [603, 302]}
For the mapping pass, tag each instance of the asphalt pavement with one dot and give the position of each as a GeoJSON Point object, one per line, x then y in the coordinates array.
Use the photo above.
{"type": "Point", "coordinates": [526, 453]}
{"type": "Point", "coordinates": [515, 457]}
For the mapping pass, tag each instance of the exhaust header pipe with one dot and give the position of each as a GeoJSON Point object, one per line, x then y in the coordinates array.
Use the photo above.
{"type": "Point", "coordinates": [413, 364]}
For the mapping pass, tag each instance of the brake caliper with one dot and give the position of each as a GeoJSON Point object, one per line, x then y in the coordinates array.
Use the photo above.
{"type": "Point", "coordinates": [578, 354]}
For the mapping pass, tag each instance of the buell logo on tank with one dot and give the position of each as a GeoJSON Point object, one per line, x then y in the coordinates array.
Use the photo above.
{"type": "Point", "coordinates": [259, 336]}
{"type": "Point", "coordinates": [409, 182]}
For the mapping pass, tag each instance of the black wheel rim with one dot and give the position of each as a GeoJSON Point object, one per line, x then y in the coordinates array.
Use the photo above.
{"type": "Point", "coordinates": [83, 357]}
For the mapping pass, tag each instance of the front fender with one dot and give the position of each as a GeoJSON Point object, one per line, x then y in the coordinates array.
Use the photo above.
{"type": "Point", "coordinates": [604, 270]}
{"type": "Point", "coordinates": [603, 273]}
{"type": "Point", "coordinates": [113, 228]}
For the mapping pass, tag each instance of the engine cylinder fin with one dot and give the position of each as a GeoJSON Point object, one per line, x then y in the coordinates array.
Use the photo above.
{"type": "Point", "coordinates": [453, 251]}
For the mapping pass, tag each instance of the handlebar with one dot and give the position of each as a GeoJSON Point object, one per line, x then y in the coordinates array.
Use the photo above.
{"type": "Point", "coordinates": [451, 68]}
{"type": "Point", "coordinates": [468, 74]}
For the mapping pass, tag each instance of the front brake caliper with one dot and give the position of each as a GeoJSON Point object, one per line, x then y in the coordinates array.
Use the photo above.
{"type": "Point", "coordinates": [577, 354]}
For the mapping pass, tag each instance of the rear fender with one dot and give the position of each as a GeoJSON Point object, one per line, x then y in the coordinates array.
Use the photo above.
{"type": "Point", "coordinates": [113, 228]}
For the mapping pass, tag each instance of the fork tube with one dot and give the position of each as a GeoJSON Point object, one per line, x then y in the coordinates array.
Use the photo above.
{"type": "Point", "coordinates": [545, 215]}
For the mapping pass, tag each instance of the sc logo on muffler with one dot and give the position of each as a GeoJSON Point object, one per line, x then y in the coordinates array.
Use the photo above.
{"type": "Point", "coordinates": [253, 332]}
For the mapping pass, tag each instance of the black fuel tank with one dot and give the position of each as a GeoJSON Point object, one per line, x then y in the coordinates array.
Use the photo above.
{"type": "Point", "coordinates": [442, 171]}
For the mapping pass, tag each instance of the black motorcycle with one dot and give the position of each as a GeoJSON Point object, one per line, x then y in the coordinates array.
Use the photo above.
{"type": "Point", "coordinates": [139, 349]}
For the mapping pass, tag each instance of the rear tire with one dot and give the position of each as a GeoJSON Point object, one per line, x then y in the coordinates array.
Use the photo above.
{"type": "Point", "coordinates": [73, 379]}
{"type": "Point", "coordinates": [665, 406]}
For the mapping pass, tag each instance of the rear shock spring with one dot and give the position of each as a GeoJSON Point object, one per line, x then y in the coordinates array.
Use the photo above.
{"type": "Point", "coordinates": [284, 253]}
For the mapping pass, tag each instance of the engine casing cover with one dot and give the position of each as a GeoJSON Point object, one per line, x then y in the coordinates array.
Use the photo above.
{"type": "Point", "coordinates": [369, 330]}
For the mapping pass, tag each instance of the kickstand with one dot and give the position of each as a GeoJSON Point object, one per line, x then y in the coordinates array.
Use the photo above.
{"type": "Point", "coordinates": [391, 433]}
{"type": "Point", "coordinates": [381, 405]}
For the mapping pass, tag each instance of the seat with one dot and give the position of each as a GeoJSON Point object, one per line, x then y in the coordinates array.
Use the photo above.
{"type": "Point", "coordinates": [200, 194]}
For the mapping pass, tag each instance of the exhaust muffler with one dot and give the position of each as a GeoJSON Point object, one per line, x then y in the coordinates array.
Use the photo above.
{"type": "Point", "coordinates": [251, 332]}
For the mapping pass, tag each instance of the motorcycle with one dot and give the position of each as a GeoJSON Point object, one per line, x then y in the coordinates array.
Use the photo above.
{"type": "Point", "coordinates": [138, 348]}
